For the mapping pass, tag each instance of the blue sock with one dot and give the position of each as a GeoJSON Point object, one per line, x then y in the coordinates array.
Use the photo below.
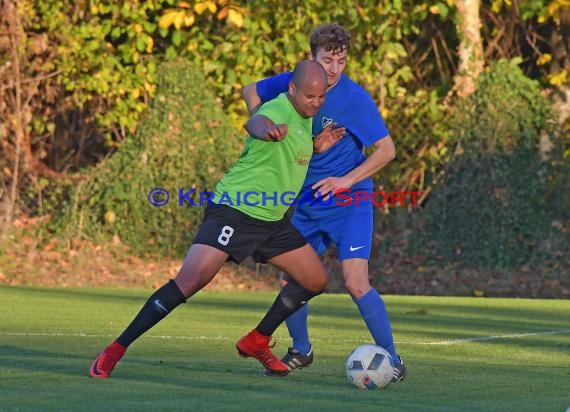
{"type": "Point", "coordinates": [297, 325]}
{"type": "Point", "coordinates": [374, 313]}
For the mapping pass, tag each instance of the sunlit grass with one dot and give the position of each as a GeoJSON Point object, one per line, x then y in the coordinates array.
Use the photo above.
{"type": "Point", "coordinates": [519, 358]}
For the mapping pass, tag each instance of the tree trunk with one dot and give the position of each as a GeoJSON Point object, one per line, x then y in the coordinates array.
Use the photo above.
{"type": "Point", "coordinates": [14, 34]}
{"type": "Point", "coordinates": [471, 59]}
{"type": "Point", "coordinates": [560, 41]}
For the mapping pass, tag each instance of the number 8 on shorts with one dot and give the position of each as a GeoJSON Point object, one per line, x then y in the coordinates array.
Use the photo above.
{"type": "Point", "coordinates": [224, 238]}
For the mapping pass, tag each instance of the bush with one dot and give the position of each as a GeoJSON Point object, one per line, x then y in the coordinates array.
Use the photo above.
{"type": "Point", "coordinates": [497, 200]}
{"type": "Point", "coordinates": [184, 141]}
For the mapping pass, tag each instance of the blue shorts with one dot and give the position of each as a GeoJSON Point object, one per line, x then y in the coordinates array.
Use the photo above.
{"type": "Point", "coordinates": [350, 230]}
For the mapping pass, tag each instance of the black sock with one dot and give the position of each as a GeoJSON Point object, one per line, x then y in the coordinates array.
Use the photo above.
{"type": "Point", "coordinates": [289, 300]}
{"type": "Point", "coordinates": [160, 304]}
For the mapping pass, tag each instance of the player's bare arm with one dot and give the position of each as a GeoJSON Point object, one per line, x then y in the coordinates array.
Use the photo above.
{"type": "Point", "coordinates": [384, 153]}
{"type": "Point", "coordinates": [252, 100]}
{"type": "Point", "coordinates": [262, 128]}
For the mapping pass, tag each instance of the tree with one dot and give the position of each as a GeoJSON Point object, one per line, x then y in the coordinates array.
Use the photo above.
{"type": "Point", "coordinates": [13, 122]}
{"type": "Point", "coordinates": [470, 47]}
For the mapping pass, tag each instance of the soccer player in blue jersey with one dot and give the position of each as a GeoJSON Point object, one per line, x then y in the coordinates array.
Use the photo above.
{"type": "Point", "coordinates": [347, 123]}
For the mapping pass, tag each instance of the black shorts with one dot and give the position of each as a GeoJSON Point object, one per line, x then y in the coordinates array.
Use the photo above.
{"type": "Point", "coordinates": [241, 235]}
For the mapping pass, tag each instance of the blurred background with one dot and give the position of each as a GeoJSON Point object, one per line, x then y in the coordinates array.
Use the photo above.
{"type": "Point", "coordinates": [102, 101]}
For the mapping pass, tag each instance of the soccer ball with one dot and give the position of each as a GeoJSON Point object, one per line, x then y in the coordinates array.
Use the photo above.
{"type": "Point", "coordinates": [370, 367]}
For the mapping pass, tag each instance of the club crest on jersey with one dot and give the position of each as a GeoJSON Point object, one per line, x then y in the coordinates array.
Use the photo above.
{"type": "Point", "coordinates": [325, 122]}
{"type": "Point", "coordinates": [303, 158]}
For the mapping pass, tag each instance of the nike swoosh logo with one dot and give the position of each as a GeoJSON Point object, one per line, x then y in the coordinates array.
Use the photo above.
{"type": "Point", "coordinates": [94, 369]}
{"type": "Point", "coordinates": [159, 304]}
{"type": "Point", "coordinates": [352, 249]}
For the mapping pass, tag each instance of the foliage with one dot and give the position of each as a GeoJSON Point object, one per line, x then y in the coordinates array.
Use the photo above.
{"type": "Point", "coordinates": [495, 204]}
{"type": "Point", "coordinates": [101, 45]}
{"type": "Point", "coordinates": [90, 69]}
{"type": "Point", "coordinates": [101, 57]}
{"type": "Point", "coordinates": [185, 141]}
{"type": "Point", "coordinates": [507, 111]}
{"type": "Point", "coordinates": [418, 125]}
{"type": "Point", "coordinates": [535, 30]}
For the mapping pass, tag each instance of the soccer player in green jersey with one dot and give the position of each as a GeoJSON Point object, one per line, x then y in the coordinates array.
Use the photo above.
{"type": "Point", "coordinates": [275, 159]}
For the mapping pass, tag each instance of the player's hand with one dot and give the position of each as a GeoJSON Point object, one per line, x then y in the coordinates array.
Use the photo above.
{"type": "Point", "coordinates": [328, 137]}
{"type": "Point", "coordinates": [329, 186]}
{"type": "Point", "coordinates": [276, 132]}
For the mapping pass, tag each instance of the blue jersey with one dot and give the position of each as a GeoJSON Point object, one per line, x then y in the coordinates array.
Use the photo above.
{"type": "Point", "coordinates": [347, 105]}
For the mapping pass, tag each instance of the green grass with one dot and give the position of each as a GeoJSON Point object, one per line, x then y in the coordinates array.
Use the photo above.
{"type": "Point", "coordinates": [463, 354]}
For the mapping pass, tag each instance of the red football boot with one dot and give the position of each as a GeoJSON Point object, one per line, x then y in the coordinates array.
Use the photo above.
{"type": "Point", "coordinates": [104, 363]}
{"type": "Point", "coordinates": [256, 345]}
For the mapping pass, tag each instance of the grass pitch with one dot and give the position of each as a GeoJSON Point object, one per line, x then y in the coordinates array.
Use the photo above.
{"type": "Point", "coordinates": [463, 354]}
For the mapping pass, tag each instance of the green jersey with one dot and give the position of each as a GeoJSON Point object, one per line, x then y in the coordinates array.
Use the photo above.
{"type": "Point", "coordinates": [267, 177]}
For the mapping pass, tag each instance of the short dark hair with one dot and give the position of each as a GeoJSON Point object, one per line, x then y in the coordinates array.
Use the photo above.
{"type": "Point", "coordinates": [329, 37]}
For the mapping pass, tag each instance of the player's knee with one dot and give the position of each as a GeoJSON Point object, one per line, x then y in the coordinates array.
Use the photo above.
{"type": "Point", "coordinates": [316, 289]}
{"type": "Point", "coordinates": [317, 283]}
{"type": "Point", "coordinates": [321, 282]}
{"type": "Point", "coordinates": [356, 288]}
{"type": "Point", "coordinates": [313, 277]}
{"type": "Point", "coordinates": [191, 281]}
{"type": "Point", "coordinates": [283, 279]}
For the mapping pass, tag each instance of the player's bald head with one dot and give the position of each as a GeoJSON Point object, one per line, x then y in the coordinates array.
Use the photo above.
{"type": "Point", "coordinates": [308, 87]}
{"type": "Point", "coordinates": [309, 73]}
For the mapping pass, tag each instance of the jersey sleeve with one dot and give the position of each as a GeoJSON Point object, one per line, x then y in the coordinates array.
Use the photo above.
{"type": "Point", "coordinates": [270, 88]}
{"type": "Point", "coordinates": [274, 111]}
{"type": "Point", "coordinates": [368, 125]}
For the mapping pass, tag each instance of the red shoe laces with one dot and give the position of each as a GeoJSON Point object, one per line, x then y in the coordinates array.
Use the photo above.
{"type": "Point", "coordinates": [107, 362]}
{"type": "Point", "coordinates": [265, 356]}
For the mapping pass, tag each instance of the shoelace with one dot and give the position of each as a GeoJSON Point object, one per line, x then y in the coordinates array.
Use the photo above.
{"type": "Point", "coordinates": [289, 357]}
{"type": "Point", "coordinates": [265, 356]}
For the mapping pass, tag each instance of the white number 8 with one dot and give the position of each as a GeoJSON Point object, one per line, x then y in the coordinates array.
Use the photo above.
{"type": "Point", "coordinates": [224, 238]}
